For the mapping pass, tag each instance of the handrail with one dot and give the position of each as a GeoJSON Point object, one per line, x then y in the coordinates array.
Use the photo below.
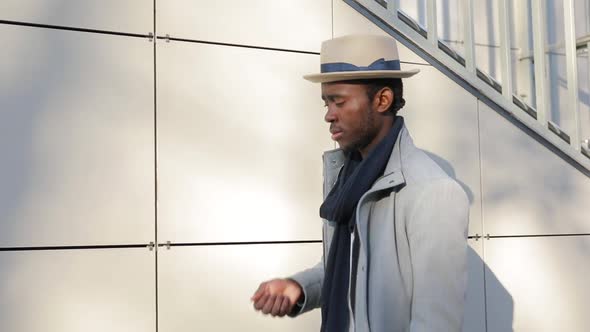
{"type": "Point", "coordinates": [583, 42]}
{"type": "Point", "coordinates": [572, 71]}
{"type": "Point", "coordinates": [572, 145]}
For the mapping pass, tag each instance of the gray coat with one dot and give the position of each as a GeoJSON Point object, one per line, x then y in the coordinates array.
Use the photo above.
{"type": "Point", "coordinates": [411, 272]}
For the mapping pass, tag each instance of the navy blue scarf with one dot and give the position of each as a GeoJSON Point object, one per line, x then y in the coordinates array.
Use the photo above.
{"type": "Point", "coordinates": [356, 177]}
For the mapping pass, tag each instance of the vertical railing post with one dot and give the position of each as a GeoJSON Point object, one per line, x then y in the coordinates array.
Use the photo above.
{"type": "Point", "coordinates": [587, 138]}
{"type": "Point", "coordinates": [572, 69]}
{"type": "Point", "coordinates": [525, 76]}
{"type": "Point", "coordinates": [505, 50]}
{"type": "Point", "coordinates": [432, 23]}
{"type": "Point", "coordinates": [469, 35]}
{"type": "Point", "coordinates": [538, 17]}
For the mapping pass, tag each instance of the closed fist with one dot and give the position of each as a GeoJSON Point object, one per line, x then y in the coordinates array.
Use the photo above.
{"type": "Point", "coordinates": [277, 296]}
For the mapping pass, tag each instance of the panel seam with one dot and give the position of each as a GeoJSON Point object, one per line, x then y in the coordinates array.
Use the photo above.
{"type": "Point", "coordinates": [202, 244]}
{"type": "Point", "coordinates": [75, 247]}
{"type": "Point", "coordinates": [481, 211]}
{"type": "Point", "coordinates": [199, 41]}
{"type": "Point", "coordinates": [156, 293]}
{"type": "Point", "coordinates": [70, 28]}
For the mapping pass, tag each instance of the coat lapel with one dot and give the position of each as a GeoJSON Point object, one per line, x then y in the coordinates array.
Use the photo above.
{"type": "Point", "coordinates": [333, 162]}
{"type": "Point", "coordinates": [392, 176]}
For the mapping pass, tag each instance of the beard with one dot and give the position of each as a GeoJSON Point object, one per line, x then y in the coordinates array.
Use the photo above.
{"type": "Point", "coordinates": [368, 130]}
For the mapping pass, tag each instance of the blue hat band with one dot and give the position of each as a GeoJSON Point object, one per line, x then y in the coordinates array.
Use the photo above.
{"type": "Point", "coordinates": [380, 64]}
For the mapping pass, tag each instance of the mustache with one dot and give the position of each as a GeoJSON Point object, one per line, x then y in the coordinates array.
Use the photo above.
{"type": "Point", "coordinates": [334, 128]}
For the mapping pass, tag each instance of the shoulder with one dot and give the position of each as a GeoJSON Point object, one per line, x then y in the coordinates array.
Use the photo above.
{"type": "Point", "coordinates": [418, 168]}
{"type": "Point", "coordinates": [427, 182]}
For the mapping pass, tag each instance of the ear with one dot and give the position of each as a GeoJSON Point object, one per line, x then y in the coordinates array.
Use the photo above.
{"type": "Point", "coordinates": [383, 100]}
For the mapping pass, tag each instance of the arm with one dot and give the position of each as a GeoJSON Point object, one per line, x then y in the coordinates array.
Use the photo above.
{"type": "Point", "coordinates": [437, 234]}
{"type": "Point", "coordinates": [312, 279]}
{"type": "Point", "coordinates": [293, 296]}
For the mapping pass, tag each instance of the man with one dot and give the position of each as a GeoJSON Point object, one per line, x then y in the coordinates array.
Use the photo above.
{"type": "Point", "coordinates": [395, 225]}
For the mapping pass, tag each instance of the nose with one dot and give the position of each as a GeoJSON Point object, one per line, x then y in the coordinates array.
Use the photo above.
{"type": "Point", "coordinates": [330, 115]}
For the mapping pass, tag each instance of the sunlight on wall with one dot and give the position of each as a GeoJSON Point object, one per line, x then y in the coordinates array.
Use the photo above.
{"type": "Point", "coordinates": [79, 130]}
{"type": "Point", "coordinates": [240, 160]}
{"type": "Point", "coordinates": [541, 274]}
{"type": "Point", "coordinates": [77, 290]}
{"type": "Point", "coordinates": [114, 15]}
{"type": "Point", "coordinates": [232, 274]}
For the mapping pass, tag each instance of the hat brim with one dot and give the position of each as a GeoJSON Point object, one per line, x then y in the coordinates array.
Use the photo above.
{"type": "Point", "coordinates": [359, 75]}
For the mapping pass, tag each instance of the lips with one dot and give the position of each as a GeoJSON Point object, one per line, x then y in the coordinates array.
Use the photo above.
{"type": "Point", "coordinates": [336, 133]}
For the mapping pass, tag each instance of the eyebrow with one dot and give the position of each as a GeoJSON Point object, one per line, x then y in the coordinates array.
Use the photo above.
{"type": "Point", "coordinates": [331, 97]}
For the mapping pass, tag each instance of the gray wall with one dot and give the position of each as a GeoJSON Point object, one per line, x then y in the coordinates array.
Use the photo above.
{"type": "Point", "coordinates": [112, 140]}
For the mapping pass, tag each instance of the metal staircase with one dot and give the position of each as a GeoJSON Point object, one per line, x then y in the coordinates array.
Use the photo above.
{"type": "Point", "coordinates": [572, 146]}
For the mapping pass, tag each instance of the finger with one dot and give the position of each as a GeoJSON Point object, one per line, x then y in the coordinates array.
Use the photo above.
{"type": "Point", "coordinates": [269, 304]}
{"type": "Point", "coordinates": [258, 305]}
{"type": "Point", "coordinates": [286, 306]}
{"type": "Point", "coordinates": [276, 307]}
{"type": "Point", "coordinates": [259, 292]}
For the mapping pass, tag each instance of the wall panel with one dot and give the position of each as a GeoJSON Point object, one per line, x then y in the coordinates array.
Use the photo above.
{"type": "Point", "coordinates": [134, 16]}
{"type": "Point", "coordinates": [487, 23]}
{"type": "Point", "coordinates": [451, 24]}
{"type": "Point", "coordinates": [527, 189]}
{"type": "Point", "coordinates": [209, 287]}
{"type": "Point", "coordinates": [77, 290]}
{"type": "Point", "coordinates": [76, 138]}
{"type": "Point", "coordinates": [294, 25]}
{"type": "Point", "coordinates": [239, 144]}
{"type": "Point", "coordinates": [537, 284]}
{"type": "Point", "coordinates": [474, 319]}
{"type": "Point", "coordinates": [445, 125]}
{"type": "Point", "coordinates": [416, 9]}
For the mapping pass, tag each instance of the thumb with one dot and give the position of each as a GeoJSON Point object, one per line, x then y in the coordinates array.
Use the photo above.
{"type": "Point", "coordinates": [259, 292]}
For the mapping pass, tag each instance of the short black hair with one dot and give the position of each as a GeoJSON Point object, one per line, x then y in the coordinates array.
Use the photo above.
{"type": "Point", "coordinates": [375, 85]}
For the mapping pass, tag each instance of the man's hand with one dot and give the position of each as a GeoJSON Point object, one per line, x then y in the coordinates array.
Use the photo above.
{"type": "Point", "coordinates": [277, 296]}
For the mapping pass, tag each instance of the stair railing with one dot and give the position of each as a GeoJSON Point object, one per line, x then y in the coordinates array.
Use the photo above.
{"type": "Point", "coordinates": [573, 146]}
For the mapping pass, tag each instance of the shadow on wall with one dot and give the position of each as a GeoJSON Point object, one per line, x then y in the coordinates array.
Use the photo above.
{"type": "Point", "coordinates": [446, 166]}
{"type": "Point", "coordinates": [491, 39]}
{"type": "Point", "coordinates": [488, 305]}
{"type": "Point", "coordinates": [499, 303]}
{"type": "Point", "coordinates": [526, 186]}
{"type": "Point", "coordinates": [24, 92]}
{"type": "Point", "coordinates": [30, 70]}
{"type": "Point", "coordinates": [76, 137]}
{"type": "Point", "coordinates": [481, 281]}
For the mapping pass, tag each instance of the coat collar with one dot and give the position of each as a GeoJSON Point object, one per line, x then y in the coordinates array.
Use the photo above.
{"type": "Point", "coordinates": [392, 176]}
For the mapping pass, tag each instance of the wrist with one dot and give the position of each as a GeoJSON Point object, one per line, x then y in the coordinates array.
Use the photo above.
{"type": "Point", "coordinates": [300, 301]}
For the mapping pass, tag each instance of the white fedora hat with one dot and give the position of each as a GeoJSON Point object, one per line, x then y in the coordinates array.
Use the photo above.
{"type": "Point", "coordinates": [359, 57]}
